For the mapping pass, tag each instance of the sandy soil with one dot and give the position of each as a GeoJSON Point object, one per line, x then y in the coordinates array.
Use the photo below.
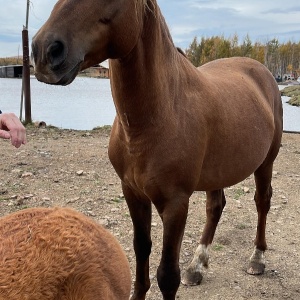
{"type": "Point", "coordinates": [71, 168]}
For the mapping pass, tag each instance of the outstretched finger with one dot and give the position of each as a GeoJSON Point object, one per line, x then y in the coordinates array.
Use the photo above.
{"type": "Point", "coordinates": [4, 134]}
{"type": "Point", "coordinates": [18, 137]}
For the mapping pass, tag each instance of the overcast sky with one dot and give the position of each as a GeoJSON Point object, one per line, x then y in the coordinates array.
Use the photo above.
{"type": "Point", "coordinates": [262, 20]}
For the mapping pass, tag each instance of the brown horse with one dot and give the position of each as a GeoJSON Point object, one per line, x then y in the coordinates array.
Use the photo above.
{"type": "Point", "coordinates": [178, 128]}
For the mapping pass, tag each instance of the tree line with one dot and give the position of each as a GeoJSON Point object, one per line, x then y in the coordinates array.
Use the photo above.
{"type": "Point", "coordinates": [279, 58]}
{"type": "Point", "coordinates": [7, 61]}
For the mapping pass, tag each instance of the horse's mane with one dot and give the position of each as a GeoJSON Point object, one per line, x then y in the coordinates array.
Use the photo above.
{"type": "Point", "coordinates": [150, 5]}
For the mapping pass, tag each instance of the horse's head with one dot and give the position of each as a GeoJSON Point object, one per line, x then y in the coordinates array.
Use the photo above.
{"type": "Point", "coordinates": [81, 33]}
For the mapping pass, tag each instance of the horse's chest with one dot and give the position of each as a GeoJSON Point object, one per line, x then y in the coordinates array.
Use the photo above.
{"type": "Point", "coordinates": [130, 163]}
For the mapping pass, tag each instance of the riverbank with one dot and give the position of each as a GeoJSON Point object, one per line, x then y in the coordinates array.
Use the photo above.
{"type": "Point", "coordinates": [293, 92]}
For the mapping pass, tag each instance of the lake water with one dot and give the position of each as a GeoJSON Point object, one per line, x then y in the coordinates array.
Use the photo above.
{"type": "Point", "coordinates": [291, 114]}
{"type": "Point", "coordinates": [85, 104]}
{"type": "Point", "coordinates": [82, 105]}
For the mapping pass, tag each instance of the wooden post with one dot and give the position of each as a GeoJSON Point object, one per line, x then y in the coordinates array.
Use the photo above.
{"type": "Point", "coordinates": [26, 77]}
{"type": "Point", "coordinates": [26, 70]}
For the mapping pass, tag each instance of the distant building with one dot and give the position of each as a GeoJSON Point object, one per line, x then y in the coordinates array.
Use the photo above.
{"type": "Point", "coordinates": [289, 76]}
{"type": "Point", "coordinates": [12, 71]}
{"type": "Point", "coordinates": [103, 71]}
{"type": "Point", "coordinates": [98, 71]}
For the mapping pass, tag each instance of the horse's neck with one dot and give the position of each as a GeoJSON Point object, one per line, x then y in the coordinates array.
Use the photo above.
{"type": "Point", "coordinates": [141, 81]}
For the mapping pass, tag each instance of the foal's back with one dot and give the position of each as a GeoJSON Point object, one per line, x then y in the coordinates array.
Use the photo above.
{"type": "Point", "coordinates": [57, 253]}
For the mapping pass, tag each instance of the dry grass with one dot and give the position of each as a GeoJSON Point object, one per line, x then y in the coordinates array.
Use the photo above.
{"type": "Point", "coordinates": [294, 93]}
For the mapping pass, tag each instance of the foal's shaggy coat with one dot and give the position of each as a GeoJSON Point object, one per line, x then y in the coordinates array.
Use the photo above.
{"type": "Point", "coordinates": [57, 253]}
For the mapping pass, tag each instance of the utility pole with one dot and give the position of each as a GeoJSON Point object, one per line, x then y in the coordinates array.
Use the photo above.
{"type": "Point", "coordinates": [26, 70]}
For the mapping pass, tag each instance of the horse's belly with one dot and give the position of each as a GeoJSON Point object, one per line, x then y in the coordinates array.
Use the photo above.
{"type": "Point", "coordinates": [225, 175]}
{"type": "Point", "coordinates": [230, 162]}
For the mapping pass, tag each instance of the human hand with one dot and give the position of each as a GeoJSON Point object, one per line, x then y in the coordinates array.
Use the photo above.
{"type": "Point", "coordinates": [11, 128]}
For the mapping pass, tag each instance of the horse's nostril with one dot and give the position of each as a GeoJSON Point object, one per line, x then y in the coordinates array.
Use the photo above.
{"type": "Point", "coordinates": [56, 49]}
{"type": "Point", "coordinates": [56, 54]}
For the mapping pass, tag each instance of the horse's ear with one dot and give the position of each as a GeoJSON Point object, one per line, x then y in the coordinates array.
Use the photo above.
{"type": "Point", "coordinates": [181, 51]}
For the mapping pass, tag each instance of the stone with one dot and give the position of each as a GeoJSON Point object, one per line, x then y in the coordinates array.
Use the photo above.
{"type": "Point", "coordinates": [26, 174]}
{"type": "Point", "coordinates": [246, 190]}
{"type": "Point", "coordinates": [80, 172]}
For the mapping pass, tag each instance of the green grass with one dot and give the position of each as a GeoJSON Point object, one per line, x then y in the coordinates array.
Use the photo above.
{"type": "Point", "coordinates": [117, 199]}
{"type": "Point", "coordinates": [238, 193]}
{"type": "Point", "coordinates": [218, 247]}
{"type": "Point", "coordinates": [241, 226]}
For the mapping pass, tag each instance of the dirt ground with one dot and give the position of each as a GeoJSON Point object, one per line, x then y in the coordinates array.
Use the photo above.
{"type": "Point", "coordinates": [71, 168]}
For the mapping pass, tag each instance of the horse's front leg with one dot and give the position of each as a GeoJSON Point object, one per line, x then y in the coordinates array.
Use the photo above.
{"type": "Point", "coordinates": [215, 203]}
{"type": "Point", "coordinates": [173, 214]}
{"type": "Point", "coordinates": [141, 213]}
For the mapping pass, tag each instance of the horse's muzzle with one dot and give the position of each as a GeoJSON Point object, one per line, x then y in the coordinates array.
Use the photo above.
{"type": "Point", "coordinates": [51, 62]}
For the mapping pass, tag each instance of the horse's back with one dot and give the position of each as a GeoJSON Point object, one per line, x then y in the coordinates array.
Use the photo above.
{"type": "Point", "coordinates": [243, 85]}
{"type": "Point", "coordinates": [242, 72]}
{"type": "Point", "coordinates": [249, 86]}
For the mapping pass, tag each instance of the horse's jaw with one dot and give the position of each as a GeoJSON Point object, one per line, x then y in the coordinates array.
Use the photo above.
{"type": "Point", "coordinates": [51, 77]}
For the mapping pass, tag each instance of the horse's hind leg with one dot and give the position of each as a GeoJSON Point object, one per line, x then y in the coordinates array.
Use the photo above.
{"type": "Point", "coordinates": [141, 213]}
{"type": "Point", "coordinates": [263, 194]}
{"type": "Point", "coordinates": [215, 203]}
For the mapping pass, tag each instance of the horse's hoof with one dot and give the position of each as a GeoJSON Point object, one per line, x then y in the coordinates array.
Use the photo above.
{"type": "Point", "coordinates": [256, 268]}
{"type": "Point", "coordinates": [191, 278]}
{"type": "Point", "coordinates": [134, 297]}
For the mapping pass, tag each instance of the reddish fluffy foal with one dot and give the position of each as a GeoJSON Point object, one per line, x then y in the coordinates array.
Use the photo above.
{"type": "Point", "coordinates": [60, 254]}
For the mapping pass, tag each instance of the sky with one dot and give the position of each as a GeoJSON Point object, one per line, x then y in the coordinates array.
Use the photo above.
{"type": "Point", "coordinates": [261, 20]}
